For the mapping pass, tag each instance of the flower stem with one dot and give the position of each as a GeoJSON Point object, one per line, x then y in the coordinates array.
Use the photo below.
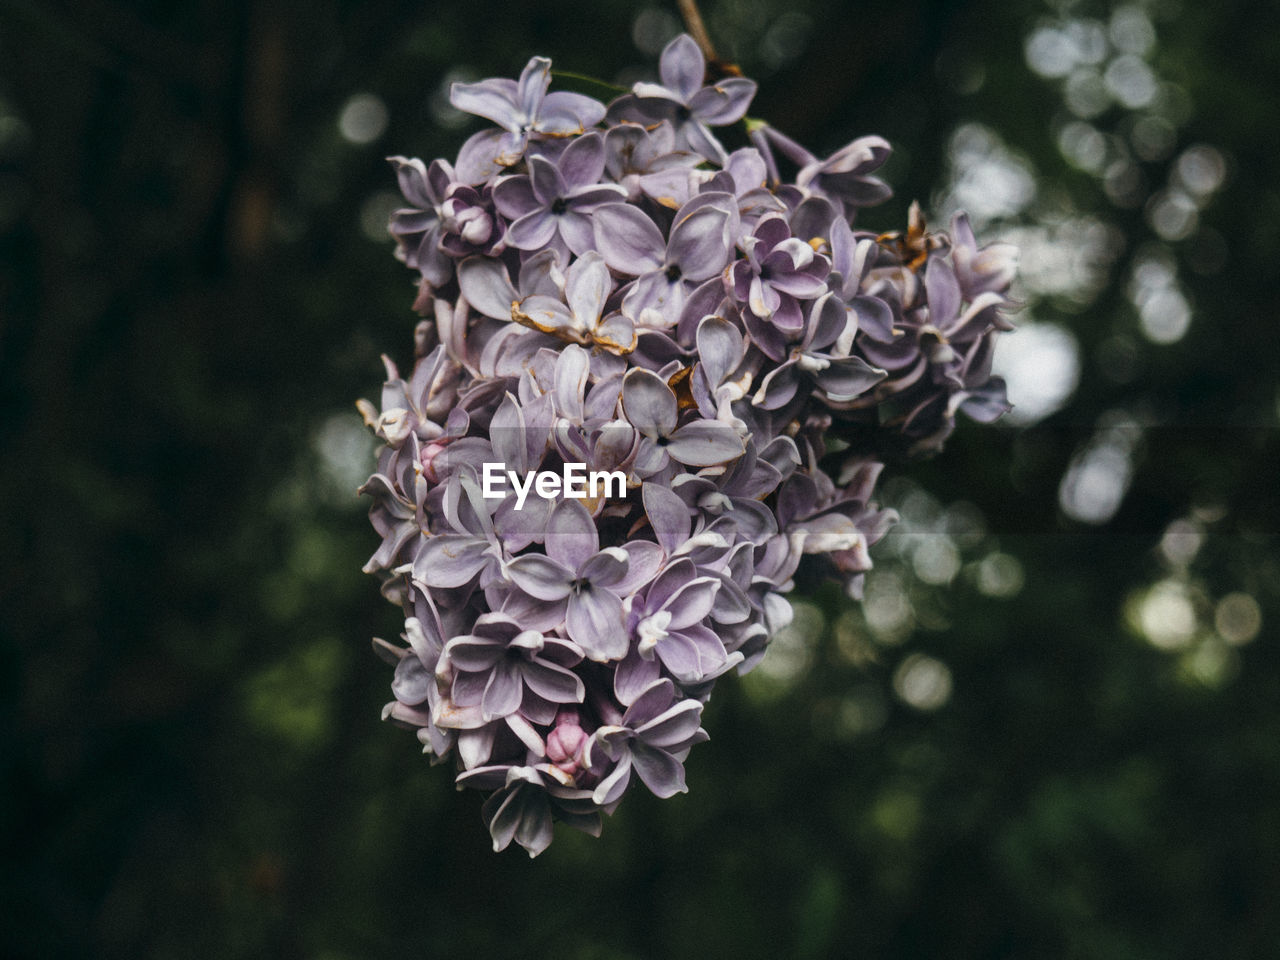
{"type": "Point", "coordinates": [697, 29]}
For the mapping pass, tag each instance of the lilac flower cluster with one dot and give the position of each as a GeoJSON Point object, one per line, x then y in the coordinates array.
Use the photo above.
{"type": "Point", "coordinates": [611, 286]}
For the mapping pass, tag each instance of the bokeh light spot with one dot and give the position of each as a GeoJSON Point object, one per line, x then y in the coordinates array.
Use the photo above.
{"type": "Point", "coordinates": [363, 119]}
{"type": "Point", "coordinates": [1166, 616]}
{"type": "Point", "coordinates": [1237, 618]}
{"type": "Point", "coordinates": [922, 682]}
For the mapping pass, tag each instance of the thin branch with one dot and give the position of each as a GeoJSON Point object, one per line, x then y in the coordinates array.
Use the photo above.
{"type": "Point", "coordinates": [697, 29]}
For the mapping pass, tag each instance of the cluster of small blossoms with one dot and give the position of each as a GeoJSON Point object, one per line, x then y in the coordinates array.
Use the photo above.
{"type": "Point", "coordinates": [609, 287]}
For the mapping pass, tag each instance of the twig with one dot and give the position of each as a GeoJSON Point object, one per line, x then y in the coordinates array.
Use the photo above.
{"type": "Point", "coordinates": [716, 68]}
{"type": "Point", "coordinates": [697, 29]}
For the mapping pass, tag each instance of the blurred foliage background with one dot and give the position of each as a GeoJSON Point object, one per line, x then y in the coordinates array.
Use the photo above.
{"type": "Point", "coordinates": [1050, 731]}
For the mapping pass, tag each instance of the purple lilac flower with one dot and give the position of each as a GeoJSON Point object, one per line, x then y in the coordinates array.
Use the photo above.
{"type": "Point", "coordinates": [551, 207]}
{"type": "Point", "coordinates": [665, 269]}
{"type": "Point", "coordinates": [651, 739]}
{"type": "Point", "coordinates": [635, 301]}
{"type": "Point", "coordinates": [651, 406]}
{"type": "Point", "coordinates": [682, 99]}
{"type": "Point", "coordinates": [502, 668]}
{"type": "Point", "coordinates": [419, 228]}
{"type": "Point", "coordinates": [523, 109]}
{"type": "Point", "coordinates": [778, 273]}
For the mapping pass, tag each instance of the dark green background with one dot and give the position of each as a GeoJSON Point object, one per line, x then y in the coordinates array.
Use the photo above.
{"type": "Point", "coordinates": [191, 763]}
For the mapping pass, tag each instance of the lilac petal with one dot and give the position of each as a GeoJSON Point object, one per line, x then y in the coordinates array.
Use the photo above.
{"type": "Point", "coordinates": [737, 281]}
{"type": "Point", "coordinates": [615, 784]}
{"type": "Point", "coordinates": [802, 285]}
{"type": "Point", "coordinates": [532, 231]}
{"type": "Point", "coordinates": [875, 317]}
{"type": "Point", "coordinates": [644, 561]}
{"type": "Point", "coordinates": [450, 561]}
{"type": "Point", "coordinates": [682, 67]}
{"type": "Point", "coordinates": [531, 612]}
{"type": "Point", "coordinates": [595, 623]}
{"type": "Point", "coordinates": [788, 317]}
{"type": "Point", "coordinates": [532, 87]}
{"type": "Point", "coordinates": [674, 727]}
{"type": "Point", "coordinates": [649, 403]}
{"type": "Point", "coordinates": [670, 187]}
{"type": "Point", "coordinates": [859, 156]}
{"type": "Point", "coordinates": [577, 230]}
{"type": "Point", "coordinates": [486, 286]}
{"type": "Point", "coordinates": [704, 443]}
{"type": "Point", "coordinates": [506, 433]}
{"type": "Point", "coordinates": [621, 143]}
{"type": "Point", "coordinates": [405, 223]}
{"type": "Point", "coordinates": [607, 568]}
{"type": "Point", "coordinates": [535, 831]}
{"type": "Point", "coordinates": [630, 242]}
{"type": "Point", "coordinates": [413, 683]}
{"type": "Point", "coordinates": [754, 520]}
{"type": "Point", "coordinates": [698, 244]}
{"type": "Point", "coordinates": [668, 516]}
{"type": "Point", "coordinates": [545, 314]}
{"type": "Point", "coordinates": [674, 578]}
{"type": "Point", "coordinates": [848, 377]}
{"type": "Point", "coordinates": [763, 299]}
{"type": "Point", "coordinates": [571, 381]}
{"type": "Point", "coordinates": [582, 164]}
{"type": "Point", "coordinates": [720, 349]}
{"type": "Point", "coordinates": [587, 286]}
{"type": "Point", "coordinates": [942, 290]}
{"type": "Point", "coordinates": [503, 692]}
{"type": "Point", "coordinates": [519, 528]}
{"type": "Point", "coordinates": [540, 577]}
{"type": "Point", "coordinates": [494, 99]}
{"type": "Point", "coordinates": [724, 103]}
{"type": "Point", "coordinates": [554, 683]}
{"type": "Point", "coordinates": [778, 388]}
{"type": "Point", "coordinates": [658, 770]}
{"type": "Point", "coordinates": [464, 507]}
{"type": "Point", "coordinates": [696, 654]}
{"type": "Point", "coordinates": [827, 319]}
{"type": "Point", "coordinates": [547, 183]}
{"type": "Point", "coordinates": [650, 459]}
{"type": "Point", "coordinates": [633, 676]}
{"type": "Point", "coordinates": [411, 174]}
{"type": "Point", "coordinates": [765, 336]}
{"type": "Point", "coordinates": [692, 603]}
{"type": "Point", "coordinates": [505, 811]}
{"type": "Point", "coordinates": [856, 189]}
{"type": "Point", "coordinates": [814, 219]}
{"type": "Point", "coordinates": [514, 197]}
{"type": "Point", "coordinates": [589, 199]}
{"type": "Point", "coordinates": [572, 538]}
{"type": "Point", "coordinates": [425, 632]}
{"type": "Point", "coordinates": [748, 169]}
{"type": "Point", "coordinates": [484, 778]}
{"type": "Point", "coordinates": [616, 333]}
{"type": "Point", "coordinates": [478, 160]}
{"type": "Point", "coordinates": [564, 113]}
{"type": "Point", "coordinates": [468, 688]}
{"type": "Point", "coordinates": [731, 604]}
{"type": "Point", "coordinates": [474, 654]}
{"type": "Point", "coordinates": [701, 140]}
{"type": "Point", "coordinates": [655, 291]}
{"type": "Point", "coordinates": [988, 404]}
{"type": "Point", "coordinates": [652, 702]}
{"type": "Point", "coordinates": [680, 657]}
